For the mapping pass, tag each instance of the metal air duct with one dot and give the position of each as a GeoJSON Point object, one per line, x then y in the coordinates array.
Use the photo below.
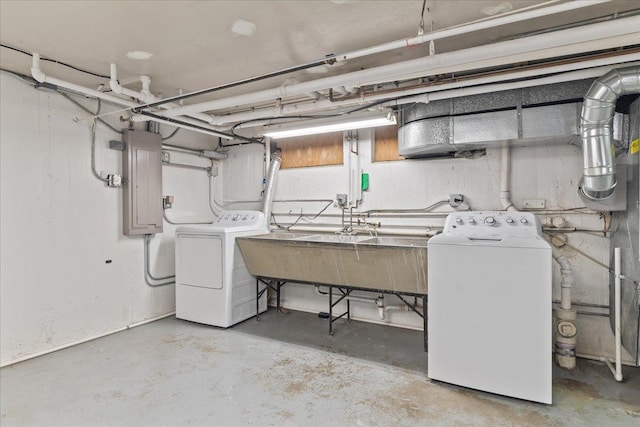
{"type": "Point", "coordinates": [599, 176]}
{"type": "Point", "coordinates": [276, 159]}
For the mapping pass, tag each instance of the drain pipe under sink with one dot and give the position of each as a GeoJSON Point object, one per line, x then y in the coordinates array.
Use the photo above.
{"type": "Point", "coordinates": [565, 329]}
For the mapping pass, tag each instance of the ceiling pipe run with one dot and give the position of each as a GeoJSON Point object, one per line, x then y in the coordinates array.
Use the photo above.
{"type": "Point", "coordinates": [145, 94]}
{"type": "Point", "coordinates": [531, 12]}
{"type": "Point", "coordinates": [573, 71]}
{"type": "Point", "coordinates": [573, 41]}
{"type": "Point", "coordinates": [598, 109]}
{"type": "Point", "coordinates": [425, 98]}
{"type": "Point", "coordinates": [487, 23]}
{"type": "Point", "coordinates": [41, 77]}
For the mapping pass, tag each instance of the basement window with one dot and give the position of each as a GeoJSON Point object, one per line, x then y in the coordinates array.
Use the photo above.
{"type": "Point", "coordinates": [312, 150]}
{"type": "Point", "coordinates": [385, 144]}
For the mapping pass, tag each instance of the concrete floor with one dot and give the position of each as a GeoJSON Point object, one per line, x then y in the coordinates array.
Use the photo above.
{"type": "Point", "coordinates": [284, 370]}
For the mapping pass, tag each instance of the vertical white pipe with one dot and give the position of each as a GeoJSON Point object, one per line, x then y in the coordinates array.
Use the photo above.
{"type": "Point", "coordinates": [505, 179]}
{"type": "Point", "coordinates": [618, 276]}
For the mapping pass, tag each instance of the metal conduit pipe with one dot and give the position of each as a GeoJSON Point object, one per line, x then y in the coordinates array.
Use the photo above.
{"type": "Point", "coordinates": [186, 166]}
{"type": "Point", "coordinates": [569, 72]}
{"type": "Point", "coordinates": [147, 269]}
{"type": "Point", "coordinates": [214, 211]}
{"type": "Point", "coordinates": [274, 167]}
{"type": "Point", "coordinates": [599, 174]}
{"type": "Point", "coordinates": [41, 77]}
{"type": "Point", "coordinates": [604, 35]}
{"type": "Point", "coordinates": [178, 149]}
{"type": "Point", "coordinates": [519, 15]}
{"type": "Point", "coordinates": [145, 94]}
{"type": "Point", "coordinates": [419, 231]}
{"type": "Point", "coordinates": [481, 24]}
{"type": "Point", "coordinates": [584, 304]}
{"type": "Point", "coordinates": [418, 210]}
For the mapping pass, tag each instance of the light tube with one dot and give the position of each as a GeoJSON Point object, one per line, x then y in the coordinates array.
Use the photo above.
{"type": "Point", "coordinates": [333, 127]}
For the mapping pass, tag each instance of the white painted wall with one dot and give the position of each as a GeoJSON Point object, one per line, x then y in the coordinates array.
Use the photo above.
{"type": "Point", "coordinates": [59, 225]}
{"type": "Point", "coordinates": [543, 172]}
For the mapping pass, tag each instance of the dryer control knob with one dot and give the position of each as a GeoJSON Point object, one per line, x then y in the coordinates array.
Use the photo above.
{"type": "Point", "coordinates": [524, 220]}
{"type": "Point", "coordinates": [490, 220]}
{"type": "Point", "coordinates": [472, 220]}
{"type": "Point", "coordinates": [458, 220]}
{"type": "Point", "coordinates": [510, 220]}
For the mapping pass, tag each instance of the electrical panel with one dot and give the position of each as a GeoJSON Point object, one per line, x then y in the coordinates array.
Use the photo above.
{"type": "Point", "coordinates": [142, 176]}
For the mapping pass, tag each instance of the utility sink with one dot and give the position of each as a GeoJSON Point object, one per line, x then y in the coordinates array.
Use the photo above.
{"type": "Point", "coordinates": [388, 263]}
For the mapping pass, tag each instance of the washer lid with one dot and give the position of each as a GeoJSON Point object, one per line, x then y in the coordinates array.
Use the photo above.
{"type": "Point", "coordinates": [490, 240]}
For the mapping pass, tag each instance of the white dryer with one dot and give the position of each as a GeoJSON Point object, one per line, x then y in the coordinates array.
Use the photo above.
{"type": "Point", "coordinates": [489, 276]}
{"type": "Point", "coordinates": [213, 285]}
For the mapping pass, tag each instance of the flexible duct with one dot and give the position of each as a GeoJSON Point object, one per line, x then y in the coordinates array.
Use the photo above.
{"type": "Point", "coordinates": [276, 159]}
{"type": "Point", "coordinates": [599, 175]}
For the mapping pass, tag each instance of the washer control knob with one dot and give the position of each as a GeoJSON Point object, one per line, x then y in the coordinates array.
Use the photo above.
{"type": "Point", "coordinates": [524, 220]}
{"type": "Point", "coordinates": [472, 220]}
{"type": "Point", "coordinates": [458, 220]}
{"type": "Point", "coordinates": [490, 220]}
{"type": "Point", "coordinates": [235, 217]}
{"type": "Point", "coordinates": [510, 221]}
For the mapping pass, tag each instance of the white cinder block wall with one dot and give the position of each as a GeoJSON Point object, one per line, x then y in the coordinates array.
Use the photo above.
{"type": "Point", "coordinates": [543, 172]}
{"type": "Point", "coordinates": [59, 225]}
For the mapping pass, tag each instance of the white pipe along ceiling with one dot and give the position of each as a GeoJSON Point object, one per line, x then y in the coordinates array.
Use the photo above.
{"type": "Point", "coordinates": [528, 13]}
{"type": "Point", "coordinates": [528, 78]}
{"type": "Point", "coordinates": [41, 77]}
{"type": "Point", "coordinates": [573, 41]}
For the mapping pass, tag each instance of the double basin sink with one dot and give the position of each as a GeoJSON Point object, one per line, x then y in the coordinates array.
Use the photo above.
{"type": "Point", "coordinates": [384, 263]}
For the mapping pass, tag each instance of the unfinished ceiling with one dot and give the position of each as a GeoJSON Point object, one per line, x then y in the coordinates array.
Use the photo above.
{"type": "Point", "coordinates": [198, 44]}
{"type": "Point", "coordinates": [310, 56]}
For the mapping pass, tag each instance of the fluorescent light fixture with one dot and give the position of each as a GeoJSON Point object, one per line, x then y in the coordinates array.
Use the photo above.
{"type": "Point", "coordinates": [349, 124]}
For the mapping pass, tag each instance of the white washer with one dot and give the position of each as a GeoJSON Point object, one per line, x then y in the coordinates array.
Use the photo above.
{"type": "Point", "coordinates": [213, 285]}
{"type": "Point", "coordinates": [489, 305]}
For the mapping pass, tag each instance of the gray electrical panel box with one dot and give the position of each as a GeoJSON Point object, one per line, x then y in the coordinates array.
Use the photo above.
{"type": "Point", "coordinates": [142, 176]}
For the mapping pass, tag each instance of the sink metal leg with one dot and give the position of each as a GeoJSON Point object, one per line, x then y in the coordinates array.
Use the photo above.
{"type": "Point", "coordinates": [330, 311]}
{"type": "Point", "coordinates": [257, 299]}
{"type": "Point", "coordinates": [278, 285]}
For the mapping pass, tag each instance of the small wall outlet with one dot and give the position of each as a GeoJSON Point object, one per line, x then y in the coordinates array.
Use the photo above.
{"type": "Point", "coordinates": [114, 180]}
{"type": "Point", "coordinates": [340, 200]}
{"type": "Point", "coordinates": [117, 145]}
{"type": "Point", "coordinates": [534, 203]}
{"type": "Point", "coordinates": [167, 202]}
{"type": "Point", "coordinates": [166, 158]}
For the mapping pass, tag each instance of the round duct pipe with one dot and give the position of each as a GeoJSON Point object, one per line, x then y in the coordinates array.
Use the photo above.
{"type": "Point", "coordinates": [599, 174]}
